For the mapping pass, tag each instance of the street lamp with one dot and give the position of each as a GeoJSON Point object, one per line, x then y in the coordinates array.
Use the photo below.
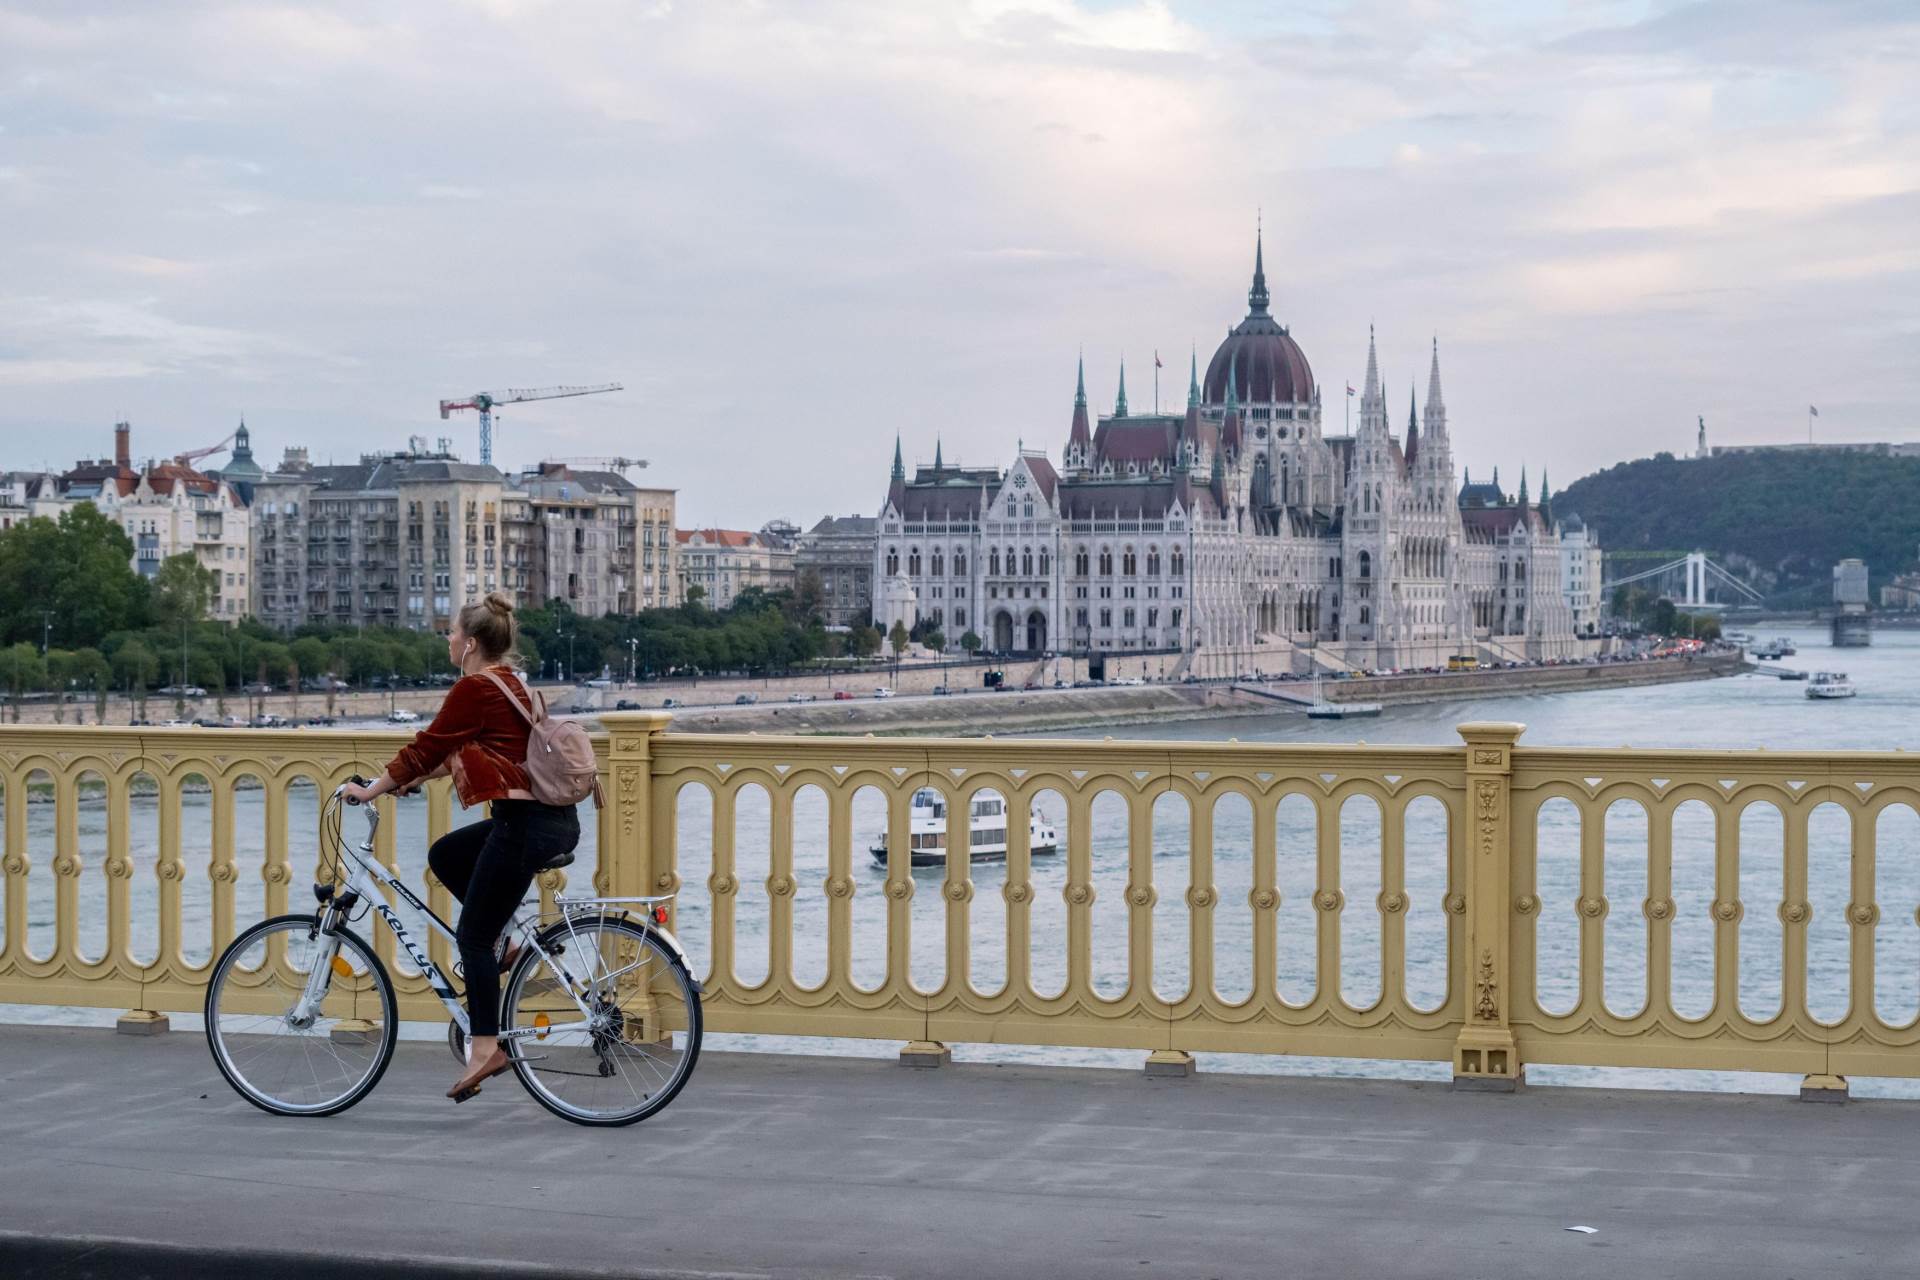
{"type": "Point", "coordinates": [633, 657]}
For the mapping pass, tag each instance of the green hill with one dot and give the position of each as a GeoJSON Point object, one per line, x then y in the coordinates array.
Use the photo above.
{"type": "Point", "coordinates": [1781, 519]}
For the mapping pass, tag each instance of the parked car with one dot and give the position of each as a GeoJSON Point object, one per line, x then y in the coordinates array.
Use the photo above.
{"type": "Point", "coordinates": [626, 704]}
{"type": "Point", "coordinates": [941, 689]}
{"type": "Point", "coordinates": [401, 715]}
{"type": "Point", "coordinates": [842, 695]}
{"type": "Point", "coordinates": [600, 683]}
{"type": "Point", "coordinates": [802, 697]}
{"type": "Point", "coordinates": [669, 704]}
{"type": "Point", "coordinates": [182, 691]}
{"type": "Point", "coordinates": [746, 699]}
{"type": "Point", "coordinates": [269, 721]}
{"type": "Point", "coordinates": [178, 724]}
{"type": "Point", "coordinates": [883, 692]}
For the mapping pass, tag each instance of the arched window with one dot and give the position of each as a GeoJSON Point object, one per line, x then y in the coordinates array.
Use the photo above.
{"type": "Point", "coordinates": [1153, 562]}
{"type": "Point", "coordinates": [939, 563]}
{"type": "Point", "coordinates": [1027, 509]}
{"type": "Point", "coordinates": [1106, 562]}
{"type": "Point", "coordinates": [1178, 566]}
{"type": "Point", "coordinates": [1366, 564]}
{"type": "Point", "coordinates": [913, 562]}
{"type": "Point", "coordinates": [993, 560]}
{"type": "Point", "coordinates": [959, 563]}
{"type": "Point", "coordinates": [1026, 561]}
{"type": "Point", "coordinates": [1046, 563]}
{"type": "Point", "coordinates": [893, 561]}
{"type": "Point", "coordinates": [1080, 561]}
{"type": "Point", "coordinates": [1128, 563]}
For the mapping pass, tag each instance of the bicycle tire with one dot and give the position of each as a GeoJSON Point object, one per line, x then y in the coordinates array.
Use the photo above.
{"type": "Point", "coordinates": [218, 1036]}
{"type": "Point", "coordinates": [527, 1065]}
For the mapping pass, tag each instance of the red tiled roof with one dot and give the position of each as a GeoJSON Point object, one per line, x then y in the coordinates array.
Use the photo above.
{"type": "Point", "coordinates": [718, 537]}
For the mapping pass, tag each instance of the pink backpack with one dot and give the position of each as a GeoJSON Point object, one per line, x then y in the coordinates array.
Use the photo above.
{"type": "Point", "coordinates": [561, 769]}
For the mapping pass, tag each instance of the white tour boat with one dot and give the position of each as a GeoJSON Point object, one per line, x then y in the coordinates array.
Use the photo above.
{"type": "Point", "coordinates": [927, 831]}
{"type": "Point", "coordinates": [1830, 684]}
{"type": "Point", "coordinates": [1324, 710]}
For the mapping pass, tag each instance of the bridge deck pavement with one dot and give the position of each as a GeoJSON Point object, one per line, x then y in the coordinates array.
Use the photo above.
{"type": "Point", "coordinates": [830, 1167]}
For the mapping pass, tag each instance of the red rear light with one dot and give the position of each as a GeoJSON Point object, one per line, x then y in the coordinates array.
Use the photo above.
{"type": "Point", "coordinates": [660, 915]}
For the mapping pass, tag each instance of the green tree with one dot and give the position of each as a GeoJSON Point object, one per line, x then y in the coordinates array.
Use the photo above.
{"type": "Point", "coordinates": [75, 573]}
{"type": "Point", "coordinates": [21, 668]}
{"type": "Point", "coordinates": [897, 637]}
{"type": "Point", "coordinates": [183, 590]}
{"type": "Point", "coordinates": [970, 642]}
{"type": "Point", "coordinates": [809, 597]}
{"type": "Point", "coordinates": [696, 594]}
{"type": "Point", "coordinates": [935, 639]}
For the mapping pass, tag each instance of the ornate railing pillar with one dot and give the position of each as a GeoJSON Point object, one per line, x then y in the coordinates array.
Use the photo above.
{"type": "Point", "coordinates": [1484, 1056]}
{"type": "Point", "coordinates": [628, 851]}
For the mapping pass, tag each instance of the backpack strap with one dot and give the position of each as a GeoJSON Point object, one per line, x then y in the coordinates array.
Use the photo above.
{"type": "Point", "coordinates": [525, 713]}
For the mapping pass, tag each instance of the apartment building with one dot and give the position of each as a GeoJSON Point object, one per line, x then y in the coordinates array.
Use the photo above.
{"type": "Point", "coordinates": [404, 540]}
{"type": "Point", "coordinates": [168, 508]}
{"type": "Point", "coordinates": [725, 562]}
{"type": "Point", "coordinates": [408, 539]}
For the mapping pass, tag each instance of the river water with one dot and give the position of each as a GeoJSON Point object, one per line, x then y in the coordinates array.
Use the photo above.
{"type": "Point", "coordinates": [1740, 712]}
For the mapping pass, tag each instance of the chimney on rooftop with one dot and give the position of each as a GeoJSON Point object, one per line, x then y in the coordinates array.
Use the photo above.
{"type": "Point", "coordinates": [123, 445]}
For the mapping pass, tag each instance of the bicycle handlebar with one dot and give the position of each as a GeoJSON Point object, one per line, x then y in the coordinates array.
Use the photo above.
{"type": "Point", "coordinates": [373, 811]}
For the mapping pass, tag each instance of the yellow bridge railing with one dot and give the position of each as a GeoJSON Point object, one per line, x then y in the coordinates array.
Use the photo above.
{"type": "Point", "coordinates": [1485, 904]}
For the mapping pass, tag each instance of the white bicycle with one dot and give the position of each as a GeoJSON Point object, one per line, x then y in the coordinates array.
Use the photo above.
{"type": "Point", "coordinates": [600, 1013]}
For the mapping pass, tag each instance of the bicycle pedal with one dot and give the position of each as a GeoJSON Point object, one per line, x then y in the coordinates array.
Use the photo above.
{"type": "Point", "coordinates": [471, 1091]}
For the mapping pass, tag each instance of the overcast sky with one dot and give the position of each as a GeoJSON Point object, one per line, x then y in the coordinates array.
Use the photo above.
{"type": "Point", "coordinates": [794, 229]}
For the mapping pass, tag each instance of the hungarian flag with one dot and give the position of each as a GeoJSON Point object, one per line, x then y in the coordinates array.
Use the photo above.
{"type": "Point", "coordinates": [1156, 361]}
{"type": "Point", "coordinates": [1349, 388]}
{"type": "Point", "coordinates": [1813, 412]}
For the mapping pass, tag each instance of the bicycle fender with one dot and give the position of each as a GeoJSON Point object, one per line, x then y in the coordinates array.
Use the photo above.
{"type": "Point", "coordinates": [678, 950]}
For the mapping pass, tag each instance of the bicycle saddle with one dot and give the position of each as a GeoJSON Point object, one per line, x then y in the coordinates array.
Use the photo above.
{"type": "Point", "coordinates": [557, 861]}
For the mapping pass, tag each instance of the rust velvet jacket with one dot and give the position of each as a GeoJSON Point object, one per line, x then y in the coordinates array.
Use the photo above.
{"type": "Point", "coordinates": [481, 740]}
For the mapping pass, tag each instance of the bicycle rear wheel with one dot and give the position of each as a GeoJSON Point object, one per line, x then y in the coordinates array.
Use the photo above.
{"type": "Point", "coordinates": [289, 1065]}
{"type": "Point", "coordinates": [634, 1046]}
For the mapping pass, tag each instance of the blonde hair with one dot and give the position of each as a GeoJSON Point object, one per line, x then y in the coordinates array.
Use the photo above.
{"type": "Point", "coordinates": [489, 624]}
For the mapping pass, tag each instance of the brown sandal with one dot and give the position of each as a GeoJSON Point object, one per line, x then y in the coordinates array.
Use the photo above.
{"type": "Point", "coordinates": [469, 1084]}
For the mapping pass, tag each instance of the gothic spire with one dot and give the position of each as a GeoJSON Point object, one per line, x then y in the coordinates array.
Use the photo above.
{"type": "Point", "coordinates": [1523, 488]}
{"type": "Point", "coordinates": [1434, 399]}
{"type": "Point", "coordinates": [1371, 391]}
{"type": "Point", "coordinates": [1080, 435]}
{"type": "Point", "coordinates": [1193, 379]}
{"type": "Point", "coordinates": [1120, 401]}
{"type": "Point", "coordinates": [936, 453]}
{"type": "Point", "coordinates": [1080, 382]}
{"type": "Point", "coordinates": [1257, 297]}
{"type": "Point", "coordinates": [899, 466]}
{"type": "Point", "coordinates": [1233, 396]}
{"type": "Point", "coordinates": [1413, 429]}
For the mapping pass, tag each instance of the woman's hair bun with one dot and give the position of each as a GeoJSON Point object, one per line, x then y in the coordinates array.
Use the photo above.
{"type": "Point", "coordinates": [499, 602]}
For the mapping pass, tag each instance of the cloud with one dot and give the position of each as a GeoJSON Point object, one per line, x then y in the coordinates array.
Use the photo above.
{"type": "Point", "coordinates": [792, 231]}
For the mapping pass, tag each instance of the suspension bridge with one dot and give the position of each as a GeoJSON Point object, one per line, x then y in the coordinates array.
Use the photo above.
{"type": "Point", "coordinates": [1698, 581]}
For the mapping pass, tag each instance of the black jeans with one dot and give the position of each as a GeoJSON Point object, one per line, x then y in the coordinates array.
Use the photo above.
{"type": "Point", "coordinates": [489, 867]}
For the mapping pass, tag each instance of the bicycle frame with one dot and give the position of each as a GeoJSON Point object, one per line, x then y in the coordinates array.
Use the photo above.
{"type": "Point", "coordinates": [368, 877]}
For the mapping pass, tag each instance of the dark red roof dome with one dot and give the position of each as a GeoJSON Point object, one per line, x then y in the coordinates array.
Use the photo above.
{"type": "Point", "coordinates": [1268, 365]}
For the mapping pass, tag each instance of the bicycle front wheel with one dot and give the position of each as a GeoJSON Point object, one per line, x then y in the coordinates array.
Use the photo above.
{"type": "Point", "coordinates": [280, 1059]}
{"type": "Point", "coordinates": [604, 1021]}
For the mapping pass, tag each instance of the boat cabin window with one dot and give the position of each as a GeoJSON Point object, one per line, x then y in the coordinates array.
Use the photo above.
{"type": "Point", "coordinates": [987, 808]}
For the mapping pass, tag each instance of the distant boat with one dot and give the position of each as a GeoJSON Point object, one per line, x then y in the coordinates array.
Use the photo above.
{"type": "Point", "coordinates": [987, 831]}
{"type": "Point", "coordinates": [1324, 710]}
{"type": "Point", "coordinates": [1830, 684]}
{"type": "Point", "coordinates": [1771, 649]}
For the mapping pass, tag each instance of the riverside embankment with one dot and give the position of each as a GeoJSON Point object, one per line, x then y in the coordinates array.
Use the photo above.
{"type": "Point", "coordinates": [978, 712]}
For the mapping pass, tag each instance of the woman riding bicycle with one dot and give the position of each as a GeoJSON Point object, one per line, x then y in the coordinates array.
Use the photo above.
{"type": "Point", "coordinates": [481, 741]}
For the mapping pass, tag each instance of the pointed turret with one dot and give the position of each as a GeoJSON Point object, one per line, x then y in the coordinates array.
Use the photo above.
{"type": "Point", "coordinates": [1373, 401]}
{"type": "Point", "coordinates": [1257, 297]}
{"type": "Point", "coordinates": [1189, 435]}
{"type": "Point", "coordinates": [936, 453]}
{"type": "Point", "coordinates": [897, 489]}
{"type": "Point", "coordinates": [1523, 488]}
{"type": "Point", "coordinates": [1413, 431]}
{"type": "Point", "coordinates": [1546, 501]}
{"type": "Point", "coordinates": [899, 465]}
{"type": "Point", "coordinates": [1079, 454]}
{"type": "Point", "coordinates": [1193, 379]}
{"type": "Point", "coordinates": [1436, 415]}
{"type": "Point", "coordinates": [1120, 400]}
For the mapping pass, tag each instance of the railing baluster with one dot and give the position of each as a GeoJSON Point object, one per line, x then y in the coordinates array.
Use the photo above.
{"type": "Point", "coordinates": [1328, 989]}
{"type": "Point", "coordinates": [1793, 933]}
{"type": "Point", "coordinates": [1592, 998]}
{"type": "Point", "coordinates": [1203, 894]}
{"type": "Point", "coordinates": [1863, 916]}
{"type": "Point", "coordinates": [1264, 899]}
{"type": "Point", "coordinates": [1079, 894]}
{"type": "Point", "coordinates": [275, 868]}
{"type": "Point", "coordinates": [119, 869]}
{"type": "Point", "coordinates": [956, 891]}
{"type": "Point", "coordinates": [780, 884]}
{"type": "Point", "coordinates": [169, 869]}
{"type": "Point", "coordinates": [15, 865]}
{"type": "Point", "coordinates": [840, 886]}
{"type": "Point", "coordinates": [900, 887]}
{"type": "Point", "coordinates": [1658, 909]}
{"type": "Point", "coordinates": [1727, 910]}
{"type": "Point", "coordinates": [726, 888]}
{"type": "Point", "coordinates": [1393, 903]}
{"type": "Point", "coordinates": [66, 871]}
{"type": "Point", "coordinates": [1140, 897]}
{"type": "Point", "coordinates": [221, 870]}
{"type": "Point", "coordinates": [1017, 893]}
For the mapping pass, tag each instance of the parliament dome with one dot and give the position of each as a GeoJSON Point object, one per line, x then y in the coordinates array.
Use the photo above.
{"type": "Point", "coordinates": [1268, 366]}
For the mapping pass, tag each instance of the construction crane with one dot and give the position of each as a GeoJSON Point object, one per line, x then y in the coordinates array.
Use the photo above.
{"type": "Point", "coordinates": [484, 402]}
{"type": "Point", "coordinates": [605, 464]}
{"type": "Point", "coordinates": [192, 456]}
